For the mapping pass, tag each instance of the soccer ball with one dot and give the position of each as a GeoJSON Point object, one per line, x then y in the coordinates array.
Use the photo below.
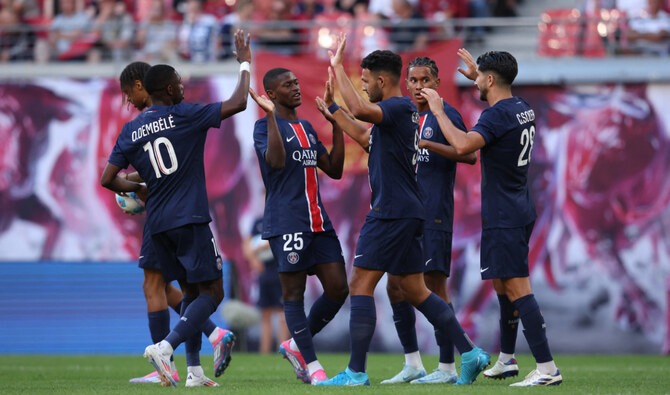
{"type": "Point", "coordinates": [130, 203]}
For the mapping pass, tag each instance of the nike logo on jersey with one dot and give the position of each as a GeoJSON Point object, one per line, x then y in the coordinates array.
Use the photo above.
{"type": "Point", "coordinates": [483, 270]}
{"type": "Point", "coordinates": [357, 256]}
{"type": "Point", "coordinates": [288, 139]}
{"type": "Point", "coordinates": [428, 261]}
{"type": "Point", "coordinates": [299, 331]}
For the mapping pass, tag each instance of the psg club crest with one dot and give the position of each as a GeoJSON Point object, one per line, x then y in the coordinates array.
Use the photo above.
{"type": "Point", "coordinates": [312, 139]}
{"type": "Point", "coordinates": [293, 258]}
{"type": "Point", "coordinates": [428, 133]}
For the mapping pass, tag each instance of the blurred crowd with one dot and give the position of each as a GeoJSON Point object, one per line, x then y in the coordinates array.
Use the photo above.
{"type": "Point", "coordinates": [201, 30]}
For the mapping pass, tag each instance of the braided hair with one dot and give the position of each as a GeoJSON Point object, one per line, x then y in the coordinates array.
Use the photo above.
{"type": "Point", "coordinates": [133, 72]}
{"type": "Point", "coordinates": [424, 62]}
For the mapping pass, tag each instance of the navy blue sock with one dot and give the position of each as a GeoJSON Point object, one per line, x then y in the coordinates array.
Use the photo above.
{"type": "Point", "coordinates": [323, 310]}
{"type": "Point", "coordinates": [509, 325]}
{"type": "Point", "coordinates": [192, 320]}
{"type": "Point", "coordinates": [193, 343]}
{"type": "Point", "coordinates": [159, 325]}
{"type": "Point", "coordinates": [405, 324]}
{"type": "Point", "coordinates": [446, 345]}
{"type": "Point", "coordinates": [362, 322]}
{"type": "Point", "coordinates": [208, 327]}
{"type": "Point", "coordinates": [443, 319]}
{"type": "Point", "coordinates": [294, 311]}
{"type": "Point", "coordinates": [534, 328]}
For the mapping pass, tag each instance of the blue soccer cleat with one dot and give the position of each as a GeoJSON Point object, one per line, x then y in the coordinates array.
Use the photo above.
{"type": "Point", "coordinates": [348, 378]}
{"type": "Point", "coordinates": [223, 348]}
{"type": "Point", "coordinates": [473, 362]}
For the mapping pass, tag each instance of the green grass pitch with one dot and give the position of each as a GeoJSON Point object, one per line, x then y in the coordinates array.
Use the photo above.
{"type": "Point", "coordinates": [270, 374]}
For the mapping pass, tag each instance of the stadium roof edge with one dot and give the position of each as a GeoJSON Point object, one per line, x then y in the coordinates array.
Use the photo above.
{"type": "Point", "coordinates": [558, 71]}
{"type": "Point", "coordinates": [532, 71]}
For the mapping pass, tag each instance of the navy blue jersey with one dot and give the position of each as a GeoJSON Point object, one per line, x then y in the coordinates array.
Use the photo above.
{"type": "Point", "coordinates": [292, 199]}
{"type": "Point", "coordinates": [508, 129]}
{"type": "Point", "coordinates": [436, 174]}
{"type": "Point", "coordinates": [392, 162]}
{"type": "Point", "coordinates": [165, 144]}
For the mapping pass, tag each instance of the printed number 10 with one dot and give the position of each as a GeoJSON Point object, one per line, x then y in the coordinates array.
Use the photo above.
{"type": "Point", "coordinates": [156, 157]}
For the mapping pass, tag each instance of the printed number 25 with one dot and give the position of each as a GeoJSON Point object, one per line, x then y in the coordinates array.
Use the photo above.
{"type": "Point", "coordinates": [292, 241]}
{"type": "Point", "coordinates": [527, 137]}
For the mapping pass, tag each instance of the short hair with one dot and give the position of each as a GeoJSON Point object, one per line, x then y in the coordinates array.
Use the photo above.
{"type": "Point", "coordinates": [271, 76]}
{"type": "Point", "coordinates": [424, 61]}
{"type": "Point", "coordinates": [500, 62]}
{"type": "Point", "coordinates": [383, 60]}
{"type": "Point", "coordinates": [158, 77]}
{"type": "Point", "coordinates": [133, 72]}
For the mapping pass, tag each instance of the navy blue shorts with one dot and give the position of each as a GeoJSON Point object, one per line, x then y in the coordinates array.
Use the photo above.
{"type": "Point", "coordinates": [188, 253]}
{"type": "Point", "coordinates": [437, 251]}
{"type": "Point", "coordinates": [504, 252]}
{"type": "Point", "coordinates": [297, 252]}
{"type": "Point", "coordinates": [148, 259]}
{"type": "Point", "coordinates": [269, 287]}
{"type": "Point", "coordinates": [391, 245]}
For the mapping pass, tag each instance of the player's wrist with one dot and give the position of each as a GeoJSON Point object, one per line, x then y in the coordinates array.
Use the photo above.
{"type": "Point", "coordinates": [333, 107]}
{"type": "Point", "coordinates": [245, 66]}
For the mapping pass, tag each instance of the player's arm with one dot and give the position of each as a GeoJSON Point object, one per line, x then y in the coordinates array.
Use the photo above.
{"type": "Point", "coordinates": [111, 180]}
{"type": "Point", "coordinates": [361, 108]}
{"type": "Point", "coordinates": [134, 176]}
{"type": "Point", "coordinates": [341, 116]}
{"type": "Point", "coordinates": [332, 163]}
{"type": "Point", "coordinates": [275, 154]}
{"type": "Point", "coordinates": [448, 152]}
{"type": "Point", "coordinates": [238, 100]}
{"type": "Point", "coordinates": [463, 143]}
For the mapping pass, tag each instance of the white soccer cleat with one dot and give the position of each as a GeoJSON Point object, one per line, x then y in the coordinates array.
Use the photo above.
{"type": "Point", "coordinates": [153, 378]}
{"type": "Point", "coordinates": [535, 379]}
{"type": "Point", "coordinates": [407, 374]}
{"type": "Point", "coordinates": [437, 377]}
{"type": "Point", "coordinates": [502, 370]}
{"type": "Point", "coordinates": [200, 381]}
{"type": "Point", "coordinates": [160, 362]}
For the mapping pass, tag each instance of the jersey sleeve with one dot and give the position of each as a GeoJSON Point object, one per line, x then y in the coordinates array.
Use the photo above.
{"type": "Point", "coordinates": [118, 157]}
{"type": "Point", "coordinates": [204, 116]}
{"type": "Point", "coordinates": [455, 117]}
{"type": "Point", "coordinates": [261, 136]}
{"type": "Point", "coordinates": [487, 127]}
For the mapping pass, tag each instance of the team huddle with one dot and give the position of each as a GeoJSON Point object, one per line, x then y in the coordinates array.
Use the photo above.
{"type": "Point", "coordinates": [413, 145]}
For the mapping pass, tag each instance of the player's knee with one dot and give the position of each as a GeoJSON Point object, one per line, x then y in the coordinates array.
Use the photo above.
{"type": "Point", "coordinates": [339, 293]}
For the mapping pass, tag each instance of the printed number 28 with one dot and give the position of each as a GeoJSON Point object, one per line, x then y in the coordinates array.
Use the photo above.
{"type": "Point", "coordinates": [527, 137]}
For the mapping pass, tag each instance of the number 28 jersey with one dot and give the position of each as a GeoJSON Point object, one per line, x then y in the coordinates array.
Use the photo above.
{"type": "Point", "coordinates": [508, 129]}
{"type": "Point", "coordinates": [166, 145]}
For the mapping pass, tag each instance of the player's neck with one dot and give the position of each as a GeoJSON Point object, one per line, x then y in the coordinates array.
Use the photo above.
{"type": "Point", "coordinates": [495, 96]}
{"type": "Point", "coordinates": [290, 114]}
{"type": "Point", "coordinates": [392, 92]}
{"type": "Point", "coordinates": [422, 107]}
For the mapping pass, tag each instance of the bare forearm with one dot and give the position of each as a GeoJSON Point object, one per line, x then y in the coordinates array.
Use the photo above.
{"type": "Point", "coordinates": [275, 155]}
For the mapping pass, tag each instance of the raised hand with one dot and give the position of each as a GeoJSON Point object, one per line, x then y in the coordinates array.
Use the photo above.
{"type": "Point", "coordinates": [471, 72]}
{"type": "Point", "coordinates": [263, 102]}
{"type": "Point", "coordinates": [337, 57]}
{"type": "Point", "coordinates": [242, 46]}
{"type": "Point", "coordinates": [433, 98]}
{"type": "Point", "coordinates": [328, 97]}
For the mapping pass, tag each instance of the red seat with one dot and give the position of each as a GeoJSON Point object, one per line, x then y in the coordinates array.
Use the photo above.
{"type": "Point", "coordinates": [566, 32]}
